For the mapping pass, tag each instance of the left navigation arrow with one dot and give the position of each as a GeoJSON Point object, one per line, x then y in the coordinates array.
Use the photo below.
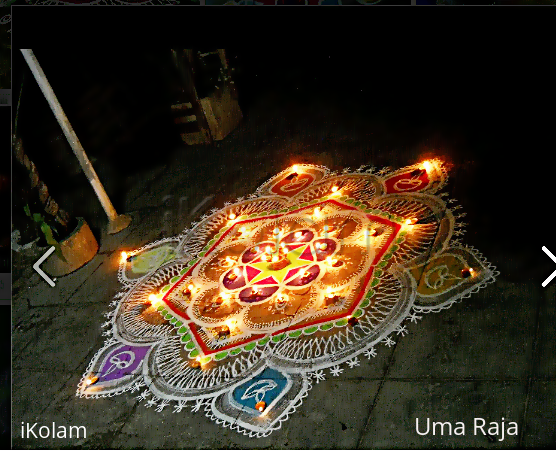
{"type": "Point", "coordinates": [39, 262]}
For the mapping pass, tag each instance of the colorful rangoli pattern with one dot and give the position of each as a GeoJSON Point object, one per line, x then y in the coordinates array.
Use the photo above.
{"type": "Point", "coordinates": [262, 297]}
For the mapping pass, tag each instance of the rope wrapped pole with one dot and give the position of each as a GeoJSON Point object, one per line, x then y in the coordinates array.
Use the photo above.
{"type": "Point", "coordinates": [116, 222]}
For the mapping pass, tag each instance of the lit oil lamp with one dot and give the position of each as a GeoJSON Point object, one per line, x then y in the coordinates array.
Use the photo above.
{"type": "Point", "coordinates": [334, 262]}
{"type": "Point", "coordinates": [196, 363]}
{"type": "Point", "coordinates": [294, 174]}
{"type": "Point", "coordinates": [188, 290]}
{"type": "Point", "coordinates": [260, 406]}
{"type": "Point", "coordinates": [231, 323]}
{"type": "Point", "coordinates": [427, 166]}
{"type": "Point", "coordinates": [352, 321]}
{"type": "Point", "coordinates": [231, 216]}
{"type": "Point", "coordinates": [234, 274]}
{"type": "Point", "coordinates": [316, 213]}
{"type": "Point", "coordinates": [371, 232]}
{"type": "Point", "coordinates": [331, 298]}
{"type": "Point", "coordinates": [418, 172]}
{"type": "Point", "coordinates": [298, 235]}
{"type": "Point", "coordinates": [154, 300]}
{"type": "Point", "coordinates": [306, 274]}
{"type": "Point", "coordinates": [242, 232]}
{"type": "Point", "coordinates": [223, 332]}
{"type": "Point", "coordinates": [321, 246]}
{"type": "Point", "coordinates": [467, 272]}
{"type": "Point", "coordinates": [92, 379]}
{"type": "Point", "coordinates": [411, 221]}
{"type": "Point", "coordinates": [278, 262]}
{"type": "Point", "coordinates": [123, 256]}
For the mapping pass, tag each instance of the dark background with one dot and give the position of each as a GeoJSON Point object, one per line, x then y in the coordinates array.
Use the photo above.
{"type": "Point", "coordinates": [497, 97]}
{"type": "Point", "coordinates": [5, 198]}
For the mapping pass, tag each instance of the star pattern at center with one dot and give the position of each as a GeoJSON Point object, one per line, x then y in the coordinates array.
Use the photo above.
{"type": "Point", "coordinates": [279, 275]}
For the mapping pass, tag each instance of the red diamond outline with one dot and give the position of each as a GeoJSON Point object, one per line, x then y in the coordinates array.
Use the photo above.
{"type": "Point", "coordinates": [194, 328]}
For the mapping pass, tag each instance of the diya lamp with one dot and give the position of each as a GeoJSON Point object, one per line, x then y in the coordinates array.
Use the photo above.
{"type": "Point", "coordinates": [427, 166]}
{"type": "Point", "coordinates": [334, 262]}
{"type": "Point", "coordinates": [411, 221]}
{"type": "Point", "coordinates": [225, 296]}
{"type": "Point", "coordinates": [328, 228]}
{"type": "Point", "coordinates": [321, 246]}
{"type": "Point", "coordinates": [371, 232]}
{"type": "Point", "coordinates": [278, 262]}
{"type": "Point", "coordinates": [223, 332]}
{"type": "Point", "coordinates": [154, 300]}
{"type": "Point", "coordinates": [231, 324]}
{"type": "Point", "coordinates": [188, 291]}
{"type": "Point", "coordinates": [260, 406]}
{"type": "Point", "coordinates": [467, 272]}
{"type": "Point", "coordinates": [234, 274]}
{"type": "Point", "coordinates": [418, 172]}
{"type": "Point", "coordinates": [231, 218]}
{"type": "Point", "coordinates": [294, 174]}
{"type": "Point", "coordinates": [196, 363]}
{"type": "Point", "coordinates": [352, 321]}
{"type": "Point", "coordinates": [299, 234]}
{"type": "Point", "coordinates": [335, 190]}
{"type": "Point", "coordinates": [316, 213]}
{"type": "Point", "coordinates": [329, 297]}
{"type": "Point", "coordinates": [91, 379]}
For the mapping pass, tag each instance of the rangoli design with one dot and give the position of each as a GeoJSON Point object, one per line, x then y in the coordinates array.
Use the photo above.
{"type": "Point", "coordinates": [264, 296]}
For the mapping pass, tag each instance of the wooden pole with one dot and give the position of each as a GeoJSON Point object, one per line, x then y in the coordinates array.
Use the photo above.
{"type": "Point", "coordinates": [116, 222]}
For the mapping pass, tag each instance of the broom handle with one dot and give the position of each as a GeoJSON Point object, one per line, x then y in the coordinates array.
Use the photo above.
{"type": "Point", "coordinates": [70, 134]}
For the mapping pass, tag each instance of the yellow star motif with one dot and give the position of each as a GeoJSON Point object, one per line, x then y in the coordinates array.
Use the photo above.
{"type": "Point", "coordinates": [280, 274]}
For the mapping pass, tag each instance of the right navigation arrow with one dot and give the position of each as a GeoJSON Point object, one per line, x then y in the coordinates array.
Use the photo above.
{"type": "Point", "coordinates": [551, 255]}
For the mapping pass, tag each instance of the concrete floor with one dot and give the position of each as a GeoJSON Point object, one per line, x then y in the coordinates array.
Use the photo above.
{"type": "Point", "coordinates": [491, 356]}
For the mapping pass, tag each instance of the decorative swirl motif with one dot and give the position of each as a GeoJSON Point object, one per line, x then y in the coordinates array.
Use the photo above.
{"type": "Point", "coordinates": [258, 389]}
{"type": "Point", "coordinates": [120, 364]}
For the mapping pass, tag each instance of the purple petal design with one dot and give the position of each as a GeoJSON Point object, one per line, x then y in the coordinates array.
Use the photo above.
{"type": "Point", "coordinates": [122, 362]}
{"type": "Point", "coordinates": [330, 248]}
{"type": "Point", "coordinates": [302, 280]}
{"type": "Point", "coordinates": [246, 295]}
{"type": "Point", "coordinates": [307, 236]}
{"type": "Point", "coordinates": [238, 282]}
{"type": "Point", "coordinates": [251, 254]}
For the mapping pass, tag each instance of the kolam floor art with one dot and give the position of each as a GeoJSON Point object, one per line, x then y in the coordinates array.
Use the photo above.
{"type": "Point", "coordinates": [240, 315]}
